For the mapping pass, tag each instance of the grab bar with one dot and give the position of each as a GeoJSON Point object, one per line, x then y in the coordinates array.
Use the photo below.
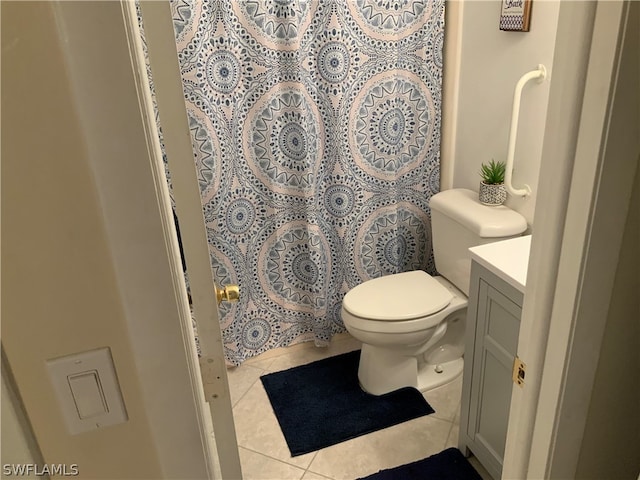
{"type": "Point", "coordinates": [539, 74]}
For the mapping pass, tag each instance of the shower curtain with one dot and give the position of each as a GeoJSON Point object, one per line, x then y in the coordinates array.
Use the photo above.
{"type": "Point", "coordinates": [316, 134]}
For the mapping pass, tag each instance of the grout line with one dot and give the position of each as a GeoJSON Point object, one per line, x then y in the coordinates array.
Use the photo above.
{"type": "Point", "coordinates": [274, 459]}
{"type": "Point", "coordinates": [309, 466]}
{"type": "Point", "coordinates": [304, 470]}
{"type": "Point", "coordinates": [279, 352]}
{"type": "Point", "coordinates": [244, 394]}
{"type": "Point", "coordinates": [449, 436]}
{"type": "Point", "coordinates": [316, 473]}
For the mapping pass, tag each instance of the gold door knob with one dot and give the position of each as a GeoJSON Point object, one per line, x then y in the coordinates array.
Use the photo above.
{"type": "Point", "coordinates": [228, 293]}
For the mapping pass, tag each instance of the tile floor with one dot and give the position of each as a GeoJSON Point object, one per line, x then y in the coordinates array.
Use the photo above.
{"type": "Point", "coordinates": [263, 451]}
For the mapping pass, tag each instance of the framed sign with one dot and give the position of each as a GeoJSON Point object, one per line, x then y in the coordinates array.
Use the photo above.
{"type": "Point", "coordinates": [515, 15]}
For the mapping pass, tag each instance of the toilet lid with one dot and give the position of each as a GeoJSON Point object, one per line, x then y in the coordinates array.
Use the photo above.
{"type": "Point", "coordinates": [403, 296]}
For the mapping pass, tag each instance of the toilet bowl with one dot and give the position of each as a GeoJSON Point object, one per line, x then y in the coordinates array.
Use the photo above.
{"type": "Point", "coordinates": [412, 324]}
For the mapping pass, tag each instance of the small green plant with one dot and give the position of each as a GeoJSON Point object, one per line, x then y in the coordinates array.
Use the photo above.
{"type": "Point", "coordinates": [493, 172]}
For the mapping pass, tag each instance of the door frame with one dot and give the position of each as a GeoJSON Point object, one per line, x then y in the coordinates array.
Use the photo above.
{"type": "Point", "coordinates": [585, 187]}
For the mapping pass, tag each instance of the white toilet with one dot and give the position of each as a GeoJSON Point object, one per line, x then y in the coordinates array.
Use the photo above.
{"type": "Point", "coordinates": [412, 325]}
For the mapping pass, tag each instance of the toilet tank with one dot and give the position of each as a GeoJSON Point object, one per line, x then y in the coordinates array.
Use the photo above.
{"type": "Point", "coordinates": [459, 221]}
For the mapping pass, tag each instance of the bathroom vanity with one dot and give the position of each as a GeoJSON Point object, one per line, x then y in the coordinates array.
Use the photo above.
{"type": "Point", "coordinates": [498, 278]}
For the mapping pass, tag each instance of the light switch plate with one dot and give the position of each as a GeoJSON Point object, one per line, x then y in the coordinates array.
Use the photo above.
{"type": "Point", "coordinates": [87, 390]}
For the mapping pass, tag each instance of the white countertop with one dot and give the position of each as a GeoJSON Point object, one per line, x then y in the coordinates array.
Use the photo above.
{"type": "Point", "coordinates": [508, 259]}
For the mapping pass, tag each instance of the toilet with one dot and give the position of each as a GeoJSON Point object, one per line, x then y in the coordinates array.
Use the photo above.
{"type": "Point", "coordinates": [412, 325]}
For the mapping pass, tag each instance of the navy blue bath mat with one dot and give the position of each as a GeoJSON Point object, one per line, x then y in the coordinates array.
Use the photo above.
{"type": "Point", "coordinates": [449, 464]}
{"type": "Point", "coordinates": [321, 404]}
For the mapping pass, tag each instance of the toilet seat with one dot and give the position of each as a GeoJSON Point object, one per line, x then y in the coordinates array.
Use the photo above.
{"type": "Point", "coordinates": [395, 298]}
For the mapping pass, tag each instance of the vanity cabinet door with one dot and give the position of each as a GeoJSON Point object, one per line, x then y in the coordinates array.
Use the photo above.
{"type": "Point", "coordinates": [497, 308]}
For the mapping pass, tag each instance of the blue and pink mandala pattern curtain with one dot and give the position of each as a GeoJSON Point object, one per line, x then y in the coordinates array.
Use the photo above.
{"type": "Point", "coordinates": [316, 135]}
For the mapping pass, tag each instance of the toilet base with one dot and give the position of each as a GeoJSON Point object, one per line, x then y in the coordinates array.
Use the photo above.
{"type": "Point", "coordinates": [429, 378]}
{"type": "Point", "coordinates": [383, 370]}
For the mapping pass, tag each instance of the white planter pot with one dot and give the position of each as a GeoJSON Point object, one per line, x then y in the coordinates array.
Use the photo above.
{"type": "Point", "coordinates": [492, 194]}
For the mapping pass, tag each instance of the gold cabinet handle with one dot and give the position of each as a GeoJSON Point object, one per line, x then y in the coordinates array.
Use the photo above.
{"type": "Point", "coordinates": [228, 293]}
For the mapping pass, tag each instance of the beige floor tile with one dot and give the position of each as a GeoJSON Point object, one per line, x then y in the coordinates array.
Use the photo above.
{"type": "Point", "coordinates": [257, 428]}
{"type": "Point", "coordinates": [456, 419]}
{"type": "Point", "coordinates": [391, 447]}
{"type": "Point", "coordinates": [291, 349]}
{"type": "Point", "coordinates": [313, 353]}
{"type": "Point", "coordinates": [264, 452]}
{"type": "Point", "coordinates": [241, 379]}
{"type": "Point", "coordinates": [256, 466]}
{"type": "Point", "coordinates": [452, 439]}
{"type": "Point", "coordinates": [274, 353]}
{"type": "Point", "coordinates": [445, 400]}
{"type": "Point", "coordinates": [261, 363]}
{"type": "Point", "coordinates": [314, 476]}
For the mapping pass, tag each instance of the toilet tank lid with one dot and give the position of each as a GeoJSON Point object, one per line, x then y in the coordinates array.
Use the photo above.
{"type": "Point", "coordinates": [402, 296]}
{"type": "Point", "coordinates": [463, 206]}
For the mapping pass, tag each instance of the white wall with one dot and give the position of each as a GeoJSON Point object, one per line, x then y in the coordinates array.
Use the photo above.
{"type": "Point", "coordinates": [491, 63]}
{"type": "Point", "coordinates": [17, 443]}
{"type": "Point", "coordinates": [611, 437]}
{"type": "Point", "coordinates": [59, 292]}
{"type": "Point", "coordinates": [140, 235]}
{"type": "Point", "coordinates": [612, 433]}
{"type": "Point", "coordinates": [64, 242]}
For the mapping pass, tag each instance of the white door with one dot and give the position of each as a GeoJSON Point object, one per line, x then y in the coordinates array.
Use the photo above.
{"type": "Point", "coordinates": [163, 59]}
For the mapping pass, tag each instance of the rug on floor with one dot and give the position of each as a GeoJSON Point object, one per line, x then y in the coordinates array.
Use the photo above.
{"type": "Point", "coordinates": [449, 464]}
{"type": "Point", "coordinates": [321, 404]}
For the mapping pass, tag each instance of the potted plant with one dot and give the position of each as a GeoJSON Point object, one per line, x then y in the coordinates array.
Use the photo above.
{"type": "Point", "coordinates": [492, 189]}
